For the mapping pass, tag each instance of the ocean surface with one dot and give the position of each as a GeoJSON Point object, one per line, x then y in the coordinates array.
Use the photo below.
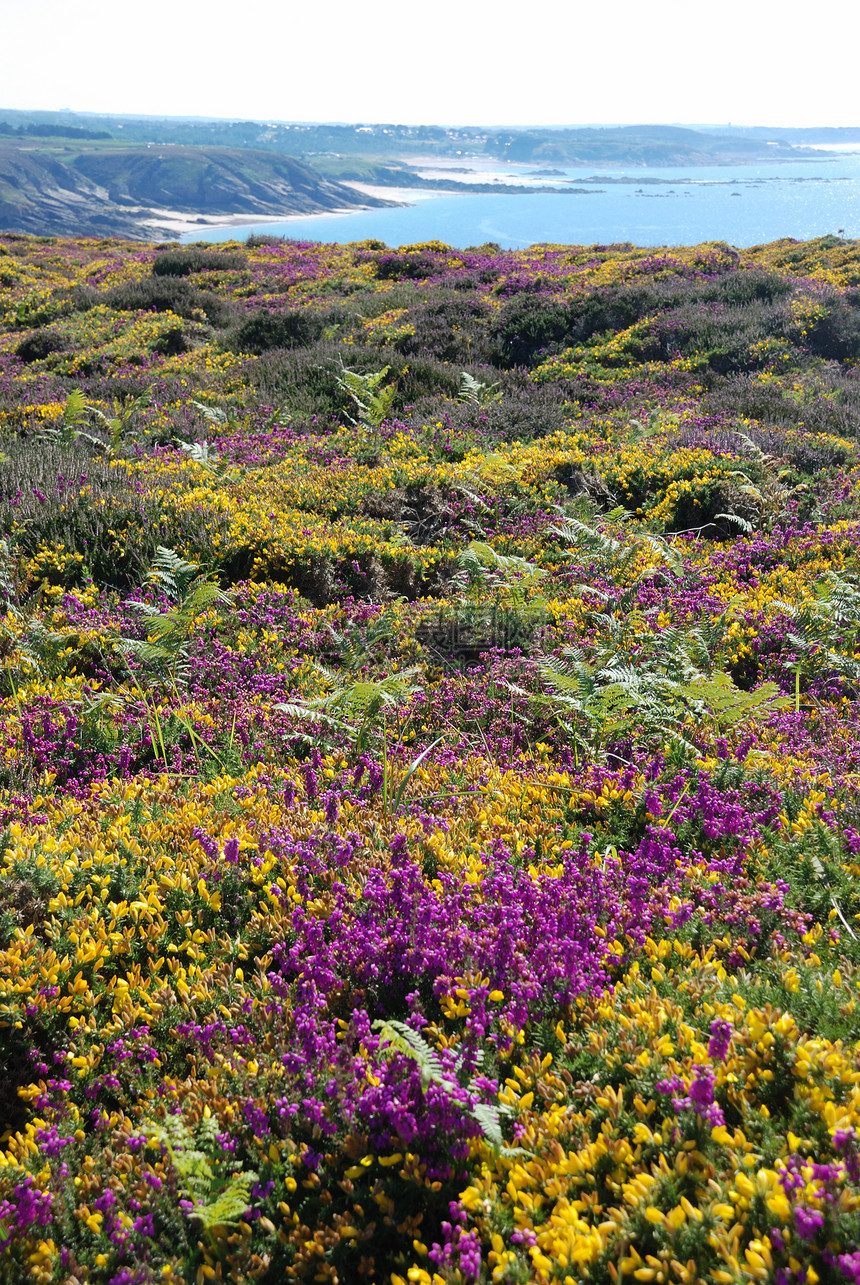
{"type": "Point", "coordinates": [744, 205]}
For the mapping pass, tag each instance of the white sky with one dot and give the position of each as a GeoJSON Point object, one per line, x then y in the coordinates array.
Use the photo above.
{"type": "Point", "coordinates": [449, 62]}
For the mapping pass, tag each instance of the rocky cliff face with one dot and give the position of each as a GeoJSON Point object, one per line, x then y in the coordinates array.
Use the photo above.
{"type": "Point", "coordinates": [125, 191]}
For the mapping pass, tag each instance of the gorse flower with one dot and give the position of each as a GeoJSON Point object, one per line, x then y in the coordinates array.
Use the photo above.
{"type": "Point", "coordinates": [429, 837]}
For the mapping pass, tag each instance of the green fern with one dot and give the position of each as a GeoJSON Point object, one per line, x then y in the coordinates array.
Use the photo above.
{"type": "Point", "coordinates": [75, 408]}
{"type": "Point", "coordinates": [350, 701]}
{"type": "Point", "coordinates": [372, 404]}
{"type": "Point", "coordinates": [663, 550]}
{"type": "Point", "coordinates": [826, 631]}
{"type": "Point", "coordinates": [123, 413]}
{"type": "Point", "coordinates": [353, 707]}
{"type": "Point", "coordinates": [8, 577]}
{"type": "Point", "coordinates": [362, 645]}
{"type": "Point", "coordinates": [193, 592]}
{"type": "Point", "coordinates": [495, 474]}
{"type": "Point", "coordinates": [839, 600]}
{"type": "Point", "coordinates": [42, 648]}
{"type": "Point", "coordinates": [489, 1117]}
{"type": "Point", "coordinates": [646, 686]}
{"type": "Point", "coordinates": [481, 569]}
{"type": "Point", "coordinates": [218, 1200]}
{"type": "Point", "coordinates": [475, 392]}
{"type": "Point", "coordinates": [173, 572]}
{"type": "Point", "coordinates": [219, 469]}
{"type": "Point", "coordinates": [116, 422]}
{"type": "Point", "coordinates": [729, 705]}
{"type": "Point", "coordinates": [572, 531]}
{"type": "Point", "coordinates": [397, 1037]}
{"type": "Point", "coordinates": [69, 428]}
{"type": "Point", "coordinates": [738, 521]}
{"type": "Point", "coordinates": [613, 554]}
{"type": "Point", "coordinates": [217, 416]}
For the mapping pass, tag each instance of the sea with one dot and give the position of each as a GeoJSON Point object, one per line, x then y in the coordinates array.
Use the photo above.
{"type": "Point", "coordinates": [744, 205]}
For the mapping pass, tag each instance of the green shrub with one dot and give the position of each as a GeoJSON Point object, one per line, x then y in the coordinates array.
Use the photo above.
{"type": "Point", "coordinates": [302, 380]}
{"type": "Point", "coordinates": [836, 336]}
{"type": "Point", "coordinates": [305, 380]}
{"type": "Point", "coordinates": [523, 415]}
{"type": "Point", "coordinates": [168, 294]}
{"type": "Point", "coordinates": [414, 266]}
{"type": "Point", "coordinates": [195, 258]}
{"type": "Point", "coordinates": [422, 377]}
{"type": "Point", "coordinates": [81, 298]}
{"type": "Point", "coordinates": [265, 331]}
{"type": "Point", "coordinates": [530, 324]}
{"type": "Point", "coordinates": [754, 286]}
{"type": "Point", "coordinates": [407, 295]}
{"type": "Point", "coordinates": [173, 342]}
{"type": "Point", "coordinates": [451, 330]}
{"type": "Point", "coordinates": [833, 406]}
{"type": "Point", "coordinates": [41, 344]}
{"type": "Point", "coordinates": [258, 240]}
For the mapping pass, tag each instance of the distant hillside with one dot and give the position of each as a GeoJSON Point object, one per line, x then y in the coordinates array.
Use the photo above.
{"type": "Point", "coordinates": [125, 191]}
{"type": "Point", "coordinates": [634, 145]}
{"type": "Point", "coordinates": [604, 145]}
{"type": "Point", "coordinates": [52, 131]}
{"type": "Point", "coordinates": [800, 135]}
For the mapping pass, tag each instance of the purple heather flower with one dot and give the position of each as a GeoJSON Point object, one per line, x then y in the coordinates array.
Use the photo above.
{"type": "Point", "coordinates": [849, 1266]}
{"type": "Point", "coordinates": [808, 1222]}
{"type": "Point", "coordinates": [718, 1045]}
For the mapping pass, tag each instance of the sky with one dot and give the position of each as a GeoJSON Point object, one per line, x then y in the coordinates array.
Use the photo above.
{"type": "Point", "coordinates": [455, 62]}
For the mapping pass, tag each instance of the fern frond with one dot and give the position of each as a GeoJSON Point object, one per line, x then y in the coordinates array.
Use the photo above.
{"type": "Point", "coordinates": [572, 531]}
{"type": "Point", "coordinates": [663, 549]}
{"type": "Point", "coordinates": [397, 1037]}
{"type": "Point", "coordinates": [565, 675]}
{"type": "Point", "coordinates": [204, 594]}
{"type": "Point", "coordinates": [149, 653]}
{"type": "Point", "coordinates": [213, 414]}
{"type": "Point", "coordinates": [145, 608]}
{"type": "Point", "coordinates": [475, 392]}
{"type": "Point", "coordinates": [738, 521]}
{"type": "Point", "coordinates": [730, 705]}
{"type": "Point", "coordinates": [470, 389]}
{"type": "Point", "coordinates": [488, 1117]}
{"type": "Point", "coordinates": [371, 402]}
{"type": "Point", "coordinates": [309, 713]}
{"type": "Point", "coordinates": [230, 1205]}
{"type": "Point", "coordinates": [199, 453]}
{"type": "Point", "coordinates": [172, 570]}
{"type": "Point", "coordinates": [218, 1200]}
{"type": "Point", "coordinates": [75, 408]}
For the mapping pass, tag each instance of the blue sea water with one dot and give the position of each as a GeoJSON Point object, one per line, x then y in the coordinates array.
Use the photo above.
{"type": "Point", "coordinates": [743, 205]}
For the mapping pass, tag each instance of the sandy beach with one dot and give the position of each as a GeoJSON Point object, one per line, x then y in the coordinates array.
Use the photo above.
{"type": "Point", "coordinates": [184, 224]}
{"type": "Point", "coordinates": [181, 223]}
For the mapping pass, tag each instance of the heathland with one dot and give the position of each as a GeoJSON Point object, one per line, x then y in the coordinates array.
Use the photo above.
{"type": "Point", "coordinates": [429, 763]}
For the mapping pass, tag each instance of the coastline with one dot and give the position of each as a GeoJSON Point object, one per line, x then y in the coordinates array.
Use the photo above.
{"type": "Point", "coordinates": [743, 207]}
{"type": "Point", "coordinates": [183, 223]}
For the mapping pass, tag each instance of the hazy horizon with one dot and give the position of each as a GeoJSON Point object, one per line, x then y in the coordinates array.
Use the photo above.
{"type": "Point", "coordinates": [356, 121]}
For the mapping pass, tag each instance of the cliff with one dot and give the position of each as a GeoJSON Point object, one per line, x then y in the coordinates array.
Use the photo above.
{"type": "Point", "coordinates": [132, 191]}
